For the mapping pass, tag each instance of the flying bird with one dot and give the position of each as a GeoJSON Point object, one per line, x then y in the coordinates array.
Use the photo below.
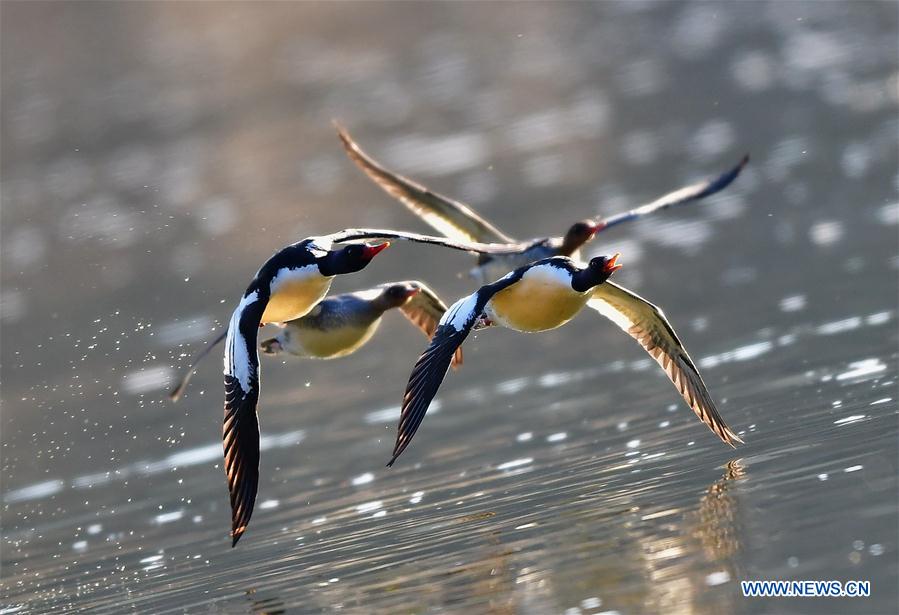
{"type": "Point", "coordinates": [459, 221]}
{"type": "Point", "coordinates": [341, 324]}
{"type": "Point", "coordinates": [545, 295]}
{"type": "Point", "coordinates": [287, 286]}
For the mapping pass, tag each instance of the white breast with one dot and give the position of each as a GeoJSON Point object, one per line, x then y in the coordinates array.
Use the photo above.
{"type": "Point", "coordinates": [549, 275]}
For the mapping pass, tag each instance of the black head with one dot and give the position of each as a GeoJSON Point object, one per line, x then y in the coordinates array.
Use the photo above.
{"type": "Point", "coordinates": [396, 295]}
{"type": "Point", "coordinates": [579, 234]}
{"type": "Point", "coordinates": [597, 271]}
{"type": "Point", "coordinates": [349, 259]}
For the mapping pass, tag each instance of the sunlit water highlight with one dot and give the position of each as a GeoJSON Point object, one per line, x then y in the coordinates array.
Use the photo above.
{"type": "Point", "coordinates": [156, 154]}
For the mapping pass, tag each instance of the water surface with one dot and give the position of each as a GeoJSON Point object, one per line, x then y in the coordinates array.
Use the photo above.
{"type": "Point", "coordinates": [154, 154]}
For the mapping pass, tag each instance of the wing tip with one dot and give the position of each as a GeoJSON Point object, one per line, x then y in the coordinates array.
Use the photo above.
{"type": "Point", "coordinates": [178, 391]}
{"type": "Point", "coordinates": [175, 394]}
{"type": "Point", "coordinates": [728, 436]}
{"type": "Point", "coordinates": [398, 448]}
{"type": "Point", "coordinates": [349, 145]}
{"type": "Point", "coordinates": [236, 534]}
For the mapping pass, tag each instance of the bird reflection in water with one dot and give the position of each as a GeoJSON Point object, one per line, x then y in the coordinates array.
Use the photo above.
{"type": "Point", "coordinates": [718, 524]}
{"type": "Point", "coordinates": [265, 606]}
{"type": "Point", "coordinates": [626, 558]}
{"type": "Point", "coordinates": [627, 561]}
{"type": "Point", "coordinates": [487, 583]}
{"type": "Point", "coordinates": [711, 534]}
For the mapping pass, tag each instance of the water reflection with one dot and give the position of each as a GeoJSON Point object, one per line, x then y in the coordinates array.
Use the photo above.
{"type": "Point", "coordinates": [717, 519]}
{"type": "Point", "coordinates": [679, 552]}
{"type": "Point", "coordinates": [265, 605]}
{"type": "Point", "coordinates": [590, 550]}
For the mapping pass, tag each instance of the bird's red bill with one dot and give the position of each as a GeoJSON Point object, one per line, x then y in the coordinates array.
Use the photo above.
{"type": "Point", "coordinates": [371, 251]}
{"type": "Point", "coordinates": [612, 264]}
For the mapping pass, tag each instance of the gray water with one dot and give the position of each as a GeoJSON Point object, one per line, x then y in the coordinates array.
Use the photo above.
{"type": "Point", "coordinates": [154, 154]}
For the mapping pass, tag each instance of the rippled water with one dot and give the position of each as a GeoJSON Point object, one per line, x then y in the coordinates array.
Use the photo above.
{"type": "Point", "coordinates": [154, 154]}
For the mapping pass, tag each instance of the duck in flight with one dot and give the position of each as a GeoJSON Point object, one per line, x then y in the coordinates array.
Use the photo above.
{"type": "Point", "coordinates": [341, 324]}
{"type": "Point", "coordinates": [287, 286]}
{"type": "Point", "coordinates": [460, 222]}
{"type": "Point", "coordinates": [545, 295]}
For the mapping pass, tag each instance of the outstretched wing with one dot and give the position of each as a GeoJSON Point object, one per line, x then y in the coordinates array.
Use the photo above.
{"type": "Point", "coordinates": [434, 362]}
{"type": "Point", "coordinates": [176, 393]}
{"type": "Point", "coordinates": [682, 196]}
{"type": "Point", "coordinates": [240, 430]}
{"type": "Point", "coordinates": [646, 323]}
{"type": "Point", "coordinates": [424, 310]}
{"type": "Point", "coordinates": [450, 217]}
{"type": "Point", "coordinates": [357, 234]}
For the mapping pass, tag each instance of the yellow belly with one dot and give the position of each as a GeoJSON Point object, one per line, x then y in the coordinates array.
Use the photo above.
{"type": "Point", "coordinates": [535, 305]}
{"type": "Point", "coordinates": [332, 344]}
{"type": "Point", "coordinates": [294, 297]}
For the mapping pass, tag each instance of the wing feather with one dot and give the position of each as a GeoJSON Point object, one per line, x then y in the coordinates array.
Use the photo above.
{"type": "Point", "coordinates": [682, 196]}
{"type": "Point", "coordinates": [448, 216]}
{"type": "Point", "coordinates": [240, 426]}
{"type": "Point", "coordinates": [426, 378]}
{"type": "Point", "coordinates": [176, 393]}
{"type": "Point", "coordinates": [433, 364]}
{"type": "Point", "coordinates": [424, 310]}
{"type": "Point", "coordinates": [465, 246]}
{"type": "Point", "coordinates": [647, 324]}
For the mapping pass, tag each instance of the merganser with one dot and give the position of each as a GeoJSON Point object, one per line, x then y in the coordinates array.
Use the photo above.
{"type": "Point", "coordinates": [286, 287]}
{"type": "Point", "coordinates": [545, 295]}
{"type": "Point", "coordinates": [459, 221]}
{"type": "Point", "coordinates": [341, 324]}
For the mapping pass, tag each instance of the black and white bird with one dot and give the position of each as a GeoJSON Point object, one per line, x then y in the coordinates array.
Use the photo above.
{"type": "Point", "coordinates": [288, 286]}
{"type": "Point", "coordinates": [545, 295]}
{"type": "Point", "coordinates": [459, 221]}
{"type": "Point", "coordinates": [341, 324]}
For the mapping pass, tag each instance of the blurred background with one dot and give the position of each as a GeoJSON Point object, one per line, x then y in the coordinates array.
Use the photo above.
{"type": "Point", "coordinates": [155, 154]}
